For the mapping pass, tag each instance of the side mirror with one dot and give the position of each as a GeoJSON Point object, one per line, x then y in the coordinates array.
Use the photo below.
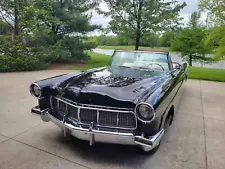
{"type": "Point", "coordinates": [176, 65]}
{"type": "Point", "coordinates": [185, 65]}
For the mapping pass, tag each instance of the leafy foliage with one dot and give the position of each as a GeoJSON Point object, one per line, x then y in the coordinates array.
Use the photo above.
{"type": "Point", "coordinates": [24, 63]}
{"type": "Point", "coordinates": [137, 17]}
{"type": "Point", "coordinates": [216, 39]}
{"type": "Point", "coordinates": [215, 10]}
{"type": "Point", "coordinates": [45, 30]}
{"type": "Point", "coordinates": [166, 39]}
{"type": "Point", "coordinates": [148, 39]}
{"type": "Point", "coordinates": [190, 41]}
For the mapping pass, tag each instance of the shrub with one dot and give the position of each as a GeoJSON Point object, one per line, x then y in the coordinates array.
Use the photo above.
{"type": "Point", "coordinates": [18, 56]}
{"type": "Point", "coordinates": [25, 63]}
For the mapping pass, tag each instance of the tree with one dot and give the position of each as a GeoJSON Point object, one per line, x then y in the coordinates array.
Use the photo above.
{"type": "Point", "coordinates": [124, 38]}
{"type": "Point", "coordinates": [166, 39]}
{"type": "Point", "coordinates": [215, 10]}
{"type": "Point", "coordinates": [42, 31]}
{"type": "Point", "coordinates": [10, 11]}
{"type": "Point", "coordinates": [190, 41]}
{"type": "Point", "coordinates": [107, 40]}
{"type": "Point", "coordinates": [149, 39]}
{"type": "Point", "coordinates": [135, 17]}
{"type": "Point", "coordinates": [69, 23]}
{"type": "Point", "coordinates": [216, 39]}
{"type": "Point", "coordinates": [5, 29]}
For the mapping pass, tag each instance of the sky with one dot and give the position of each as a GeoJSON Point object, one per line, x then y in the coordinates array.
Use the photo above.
{"type": "Point", "coordinates": [192, 5]}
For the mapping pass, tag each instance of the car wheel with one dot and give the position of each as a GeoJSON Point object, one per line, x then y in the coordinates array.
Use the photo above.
{"type": "Point", "coordinates": [146, 150]}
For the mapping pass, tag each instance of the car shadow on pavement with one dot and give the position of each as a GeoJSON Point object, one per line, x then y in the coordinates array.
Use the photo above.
{"type": "Point", "coordinates": [104, 153]}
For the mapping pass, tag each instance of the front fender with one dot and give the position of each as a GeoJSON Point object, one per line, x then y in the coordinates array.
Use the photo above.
{"type": "Point", "coordinates": [159, 99]}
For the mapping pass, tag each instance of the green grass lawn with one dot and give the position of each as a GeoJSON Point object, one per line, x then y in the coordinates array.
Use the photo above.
{"type": "Point", "coordinates": [100, 60]}
{"type": "Point", "coordinates": [132, 48]}
{"type": "Point", "coordinates": [97, 60]}
{"type": "Point", "coordinates": [206, 74]}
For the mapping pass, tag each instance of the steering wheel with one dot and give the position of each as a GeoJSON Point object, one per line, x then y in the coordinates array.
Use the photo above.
{"type": "Point", "coordinates": [157, 65]}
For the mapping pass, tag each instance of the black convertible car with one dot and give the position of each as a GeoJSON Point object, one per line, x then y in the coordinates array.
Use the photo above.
{"type": "Point", "coordinates": [126, 102]}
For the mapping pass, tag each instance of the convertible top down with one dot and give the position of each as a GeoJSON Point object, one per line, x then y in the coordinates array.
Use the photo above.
{"type": "Point", "coordinates": [126, 102]}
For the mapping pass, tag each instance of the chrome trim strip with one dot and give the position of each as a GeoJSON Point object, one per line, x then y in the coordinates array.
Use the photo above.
{"type": "Point", "coordinates": [58, 104]}
{"type": "Point", "coordinates": [78, 114]}
{"type": "Point", "coordinates": [64, 118]}
{"type": "Point", "coordinates": [94, 106]}
{"type": "Point", "coordinates": [152, 141]}
{"type": "Point", "coordinates": [51, 105]}
{"type": "Point", "coordinates": [71, 127]}
{"type": "Point", "coordinates": [117, 119]}
{"type": "Point", "coordinates": [100, 109]}
{"type": "Point", "coordinates": [67, 109]}
{"type": "Point", "coordinates": [97, 117]}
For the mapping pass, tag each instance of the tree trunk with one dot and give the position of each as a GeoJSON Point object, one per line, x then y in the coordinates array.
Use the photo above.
{"type": "Point", "coordinates": [16, 20]}
{"type": "Point", "coordinates": [190, 60]}
{"type": "Point", "coordinates": [138, 29]}
{"type": "Point", "coordinates": [137, 42]}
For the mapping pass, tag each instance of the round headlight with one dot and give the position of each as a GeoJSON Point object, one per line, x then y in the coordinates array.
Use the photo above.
{"type": "Point", "coordinates": [35, 90]}
{"type": "Point", "coordinates": [145, 112]}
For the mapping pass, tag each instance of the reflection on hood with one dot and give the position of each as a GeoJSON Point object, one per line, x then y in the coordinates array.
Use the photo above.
{"type": "Point", "coordinates": [112, 76]}
{"type": "Point", "coordinates": [116, 82]}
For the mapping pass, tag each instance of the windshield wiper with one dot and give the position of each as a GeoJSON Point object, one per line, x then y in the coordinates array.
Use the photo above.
{"type": "Point", "coordinates": [124, 66]}
{"type": "Point", "coordinates": [145, 68]}
{"type": "Point", "coordinates": [135, 67]}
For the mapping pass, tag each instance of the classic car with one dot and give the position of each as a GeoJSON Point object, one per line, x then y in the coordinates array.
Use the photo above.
{"type": "Point", "coordinates": [129, 101]}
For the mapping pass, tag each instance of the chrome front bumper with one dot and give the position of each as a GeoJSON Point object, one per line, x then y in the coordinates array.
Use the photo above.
{"type": "Point", "coordinates": [93, 135]}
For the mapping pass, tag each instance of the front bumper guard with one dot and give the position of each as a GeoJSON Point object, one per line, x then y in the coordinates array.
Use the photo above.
{"type": "Point", "coordinates": [93, 135]}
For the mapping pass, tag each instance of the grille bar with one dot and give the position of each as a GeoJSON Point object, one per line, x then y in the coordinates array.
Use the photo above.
{"type": "Point", "coordinates": [100, 116]}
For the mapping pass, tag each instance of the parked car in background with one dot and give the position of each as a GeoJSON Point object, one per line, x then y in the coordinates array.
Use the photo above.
{"type": "Point", "coordinates": [126, 102]}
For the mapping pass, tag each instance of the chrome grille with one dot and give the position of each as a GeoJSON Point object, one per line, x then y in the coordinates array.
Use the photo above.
{"type": "Point", "coordinates": [62, 107]}
{"type": "Point", "coordinates": [88, 116]}
{"type": "Point", "coordinates": [108, 118]}
{"type": "Point", "coordinates": [126, 120]}
{"type": "Point", "coordinates": [73, 112]}
{"type": "Point", "coordinates": [118, 118]}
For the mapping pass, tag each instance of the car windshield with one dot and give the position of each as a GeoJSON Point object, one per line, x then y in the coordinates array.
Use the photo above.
{"type": "Point", "coordinates": [141, 60]}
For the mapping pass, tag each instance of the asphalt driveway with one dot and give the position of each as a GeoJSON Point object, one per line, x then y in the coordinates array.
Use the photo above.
{"type": "Point", "coordinates": [196, 140]}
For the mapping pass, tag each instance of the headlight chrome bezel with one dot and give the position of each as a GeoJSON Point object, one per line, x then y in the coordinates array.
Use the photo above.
{"type": "Point", "coordinates": [32, 91]}
{"type": "Point", "coordinates": [140, 117]}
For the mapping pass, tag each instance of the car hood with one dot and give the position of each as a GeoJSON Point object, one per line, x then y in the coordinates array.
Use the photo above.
{"type": "Point", "coordinates": [123, 84]}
